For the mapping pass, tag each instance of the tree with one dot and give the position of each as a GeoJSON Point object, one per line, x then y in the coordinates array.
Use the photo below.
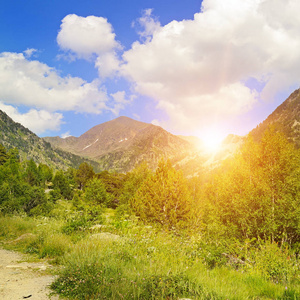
{"type": "Point", "coordinates": [61, 184]}
{"type": "Point", "coordinates": [3, 155]}
{"type": "Point", "coordinates": [134, 181]}
{"type": "Point", "coordinates": [31, 173]}
{"type": "Point", "coordinates": [45, 174]}
{"type": "Point", "coordinates": [84, 173]}
{"type": "Point", "coordinates": [37, 197]}
{"type": "Point", "coordinates": [96, 193]}
{"type": "Point", "coordinates": [257, 193]}
{"type": "Point", "coordinates": [164, 198]}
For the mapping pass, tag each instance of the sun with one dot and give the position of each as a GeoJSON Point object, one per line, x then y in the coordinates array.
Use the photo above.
{"type": "Point", "coordinates": [212, 140]}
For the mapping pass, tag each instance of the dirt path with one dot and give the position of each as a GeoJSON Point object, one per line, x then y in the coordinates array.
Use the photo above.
{"type": "Point", "coordinates": [23, 280]}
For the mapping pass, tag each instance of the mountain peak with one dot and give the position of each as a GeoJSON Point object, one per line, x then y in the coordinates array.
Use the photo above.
{"type": "Point", "coordinates": [121, 143]}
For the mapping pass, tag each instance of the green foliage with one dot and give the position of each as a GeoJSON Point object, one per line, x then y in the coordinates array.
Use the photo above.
{"type": "Point", "coordinates": [31, 175]}
{"type": "Point", "coordinates": [164, 198]}
{"type": "Point", "coordinates": [113, 182]}
{"type": "Point", "coordinates": [95, 193]}
{"type": "Point", "coordinates": [275, 263]}
{"type": "Point", "coordinates": [37, 198]}
{"type": "Point", "coordinates": [169, 286]}
{"type": "Point", "coordinates": [45, 174]}
{"type": "Point", "coordinates": [134, 181]}
{"type": "Point", "coordinates": [256, 194]}
{"type": "Point", "coordinates": [61, 184]}
{"type": "Point", "coordinates": [84, 173]}
{"type": "Point", "coordinates": [81, 221]}
{"type": "Point", "coordinates": [3, 155]}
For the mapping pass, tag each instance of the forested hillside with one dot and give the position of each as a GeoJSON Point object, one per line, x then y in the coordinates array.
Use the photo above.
{"type": "Point", "coordinates": [285, 118]}
{"type": "Point", "coordinates": [30, 146]}
{"type": "Point", "coordinates": [231, 233]}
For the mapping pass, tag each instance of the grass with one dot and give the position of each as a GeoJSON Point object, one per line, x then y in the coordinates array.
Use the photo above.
{"type": "Point", "coordinates": [142, 262]}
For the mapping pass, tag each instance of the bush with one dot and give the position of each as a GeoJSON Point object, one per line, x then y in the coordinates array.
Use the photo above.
{"type": "Point", "coordinates": [276, 264]}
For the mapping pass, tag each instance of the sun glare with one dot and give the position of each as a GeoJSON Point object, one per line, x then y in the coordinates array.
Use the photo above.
{"type": "Point", "coordinates": [212, 140]}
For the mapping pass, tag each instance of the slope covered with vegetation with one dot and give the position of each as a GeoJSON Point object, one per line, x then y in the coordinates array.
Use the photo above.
{"type": "Point", "coordinates": [30, 146]}
{"type": "Point", "coordinates": [232, 233]}
{"type": "Point", "coordinates": [285, 118]}
{"type": "Point", "coordinates": [120, 144]}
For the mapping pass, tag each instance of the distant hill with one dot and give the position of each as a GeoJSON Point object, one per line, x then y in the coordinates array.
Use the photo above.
{"type": "Point", "coordinates": [123, 142]}
{"type": "Point", "coordinates": [285, 118]}
{"type": "Point", "coordinates": [30, 146]}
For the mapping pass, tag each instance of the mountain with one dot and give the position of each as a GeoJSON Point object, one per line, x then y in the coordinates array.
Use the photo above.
{"type": "Point", "coordinates": [30, 146]}
{"type": "Point", "coordinates": [123, 142]}
{"type": "Point", "coordinates": [286, 118]}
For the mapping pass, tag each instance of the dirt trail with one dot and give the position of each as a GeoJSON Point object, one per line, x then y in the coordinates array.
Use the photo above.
{"type": "Point", "coordinates": [23, 280]}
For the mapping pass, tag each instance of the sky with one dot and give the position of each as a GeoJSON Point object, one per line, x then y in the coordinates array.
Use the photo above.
{"type": "Point", "coordinates": [210, 67]}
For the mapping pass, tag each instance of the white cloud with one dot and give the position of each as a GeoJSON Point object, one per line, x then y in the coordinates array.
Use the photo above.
{"type": "Point", "coordinates": [197, 69]}
{"type": "Point", "coordinates": [38, 121]}
{"type": "Point", "coordinates": [65, 135]}
{"type": "Point", "coordinates": [120, 101]}
{"type": "Point", "coordinates": [107, 64]}
{"type": "Point", "coordinates": [86, 36]}
{"type": "Point", "coordinates": [146, 25]}
{"type": "Point", "coordinates": [29, 52]}
{"type": "Point", "coordinates": [90, 38]}
{"type": "Point", "coordinates": [34, 84]}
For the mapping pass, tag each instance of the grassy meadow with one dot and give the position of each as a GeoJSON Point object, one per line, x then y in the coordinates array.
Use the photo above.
{"type": "Point", "coordinates": [231, 233]}
{"type": "Point", "coordinates": [123, 259]}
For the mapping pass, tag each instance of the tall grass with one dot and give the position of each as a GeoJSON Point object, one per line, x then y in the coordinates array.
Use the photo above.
{"type": "Point", "coordinates": [124, 260]}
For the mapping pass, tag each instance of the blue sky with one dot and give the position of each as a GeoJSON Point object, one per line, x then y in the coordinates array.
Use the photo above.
{"type": "Point", "coordinates": [192, 67]}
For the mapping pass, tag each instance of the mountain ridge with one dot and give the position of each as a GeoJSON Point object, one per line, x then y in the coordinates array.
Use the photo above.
{"type": "Point", "coordinates": [30, 146]}
{"type": "Point", "coordinates": [285, 118]}
{"type": "Point", "coordinates": [121, 143]}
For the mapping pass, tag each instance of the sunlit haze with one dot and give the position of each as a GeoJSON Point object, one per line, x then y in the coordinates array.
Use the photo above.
{"type": "Point", "coordinates": [212, 140]}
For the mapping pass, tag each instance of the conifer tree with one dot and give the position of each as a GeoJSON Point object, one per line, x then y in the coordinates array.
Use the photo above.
{"type": "Point", "coordinates": [164, 198]}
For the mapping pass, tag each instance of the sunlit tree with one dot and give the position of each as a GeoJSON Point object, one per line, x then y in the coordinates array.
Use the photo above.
{"type": "Point", "coordinates": [164, 198]}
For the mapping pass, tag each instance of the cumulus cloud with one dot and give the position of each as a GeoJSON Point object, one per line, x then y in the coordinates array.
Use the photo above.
{"type": "Point", "coordinates": [65, 135]}
{"type": "Point", "coordinates": [29, 52]}
{"type": "Point", "coordinates": [146, 25]}
{"type": "Point", "coordinates": [38, 121]}
{"type": "Point", "coordinates": [120, 101]}
{"type": "Point", "coordinates": [34, 84]}
{"type": "Point", "coordinates": [196, 69]}
{"type": "Point", "coordinates": [90, 38]}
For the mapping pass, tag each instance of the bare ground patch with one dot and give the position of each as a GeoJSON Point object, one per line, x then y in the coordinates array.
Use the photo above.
{"type": "Point", "coordinates": [23, 280]}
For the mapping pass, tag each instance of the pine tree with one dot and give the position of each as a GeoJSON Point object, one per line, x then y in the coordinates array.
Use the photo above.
{"type": "Point", "coordinates": [164, 198]}
{"type": "Point", "coordinates": [3, 155]}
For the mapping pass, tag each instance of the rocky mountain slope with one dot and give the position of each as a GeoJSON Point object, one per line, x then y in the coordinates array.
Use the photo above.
{"type": "Point", "coordinates": [286, 118]}
{"type": "Point", "coordinates": [123, 142]}
{"type": "Point", "coordinates": [30, 146]}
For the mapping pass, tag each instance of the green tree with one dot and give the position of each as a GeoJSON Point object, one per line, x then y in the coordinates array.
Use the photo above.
{"type": "Point", "coordinates": [96, 193]}
{"type": "Point", "coordinates": [45, 174]}
{"type": "Point", "coordinates": [3, 155]}
{"type": "Point", "coordinates": [84, 173]}
{"type": "Point", "coordinates": [37, 197]}
{"type": "Point", "coordinates": [31, 173]}
{"type": "Point", "coordinates": [256, 194]}
{"type": "Point", "coordinates": [134, 181]}
{"type": "Point", "coordinates": [164, 198]}
{"type": "Point", "coordinates": [61, 185]}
